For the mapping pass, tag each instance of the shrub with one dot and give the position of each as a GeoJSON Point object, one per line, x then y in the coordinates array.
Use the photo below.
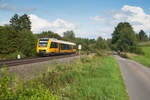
{"type": "Point", "coordinates": [14, 55]}
{"type": "Point", "coordinates": [136, 50]}
{"type": "Point", "coordinates": [123, 54]}
{"type": "Point", "coordinates": [102, 52]}
{"type": "Point", "coordinates": [39, 93]}
{"type": "Point", "coordinates": [6, 92]}
{"type": "Point", "coordinates": [85, 59]}
{"type": "Point", "coordinates": [30, 91]}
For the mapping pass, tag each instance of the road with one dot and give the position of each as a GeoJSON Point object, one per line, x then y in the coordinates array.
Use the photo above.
{"type": "Point", "coordinates": [137, 78]}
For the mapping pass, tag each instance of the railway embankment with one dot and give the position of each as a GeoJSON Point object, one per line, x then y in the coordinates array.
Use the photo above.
{"type": "Point", "coordinates": [88, 78]}
{"type": "Point", "coordinates": [33, 69]}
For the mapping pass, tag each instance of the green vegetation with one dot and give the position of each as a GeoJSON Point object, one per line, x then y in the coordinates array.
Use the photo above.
{"type": "Point", "coordinates": [17, 37]}
{"type": "Point", "coordinates": [69, 34]}
{"type": "Point", "coordinates": [48, 34]}
{"type": "Point", "coordinates": [124, 38]}
{"type": "Point", "coordinates": [143, 59]}
{"type": "Point", "coordinates": [88, 78]}
{"type": "Point", "coordinates": [144, 44]}
{"type": "Point", "coordinates": [142, 36]}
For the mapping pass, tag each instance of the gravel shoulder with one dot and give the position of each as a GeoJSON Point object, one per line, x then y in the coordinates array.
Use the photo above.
{"type": "Point", "coordinates": [137, 78]}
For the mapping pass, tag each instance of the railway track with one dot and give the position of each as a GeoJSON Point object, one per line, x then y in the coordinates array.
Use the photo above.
{"type": "Point", "coordinates": [16, 62]}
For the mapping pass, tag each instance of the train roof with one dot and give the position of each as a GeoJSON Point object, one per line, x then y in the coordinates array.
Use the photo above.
{"type": "Point", "coordinates": [60, 41]}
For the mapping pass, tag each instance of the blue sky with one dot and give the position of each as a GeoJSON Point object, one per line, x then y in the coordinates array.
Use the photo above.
{"type": "Point", "coordinates": [88, 18]}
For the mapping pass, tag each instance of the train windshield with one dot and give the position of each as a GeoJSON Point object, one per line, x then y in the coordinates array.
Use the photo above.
{"type": "Point", "coordinates": [43, 42]}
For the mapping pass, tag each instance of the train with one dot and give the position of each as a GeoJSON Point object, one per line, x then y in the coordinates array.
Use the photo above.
{"type": "Point", "coordinates": [52, 46]}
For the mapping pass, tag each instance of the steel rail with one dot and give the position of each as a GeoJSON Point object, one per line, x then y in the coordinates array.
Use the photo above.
{"type": "Point", "coordinates": [16, 62]}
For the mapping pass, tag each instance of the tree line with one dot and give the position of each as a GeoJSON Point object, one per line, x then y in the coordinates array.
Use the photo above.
{"type": "Point", "coordinates": [124, 39]}
{"type": "Point", "coordinates": [17, 38]}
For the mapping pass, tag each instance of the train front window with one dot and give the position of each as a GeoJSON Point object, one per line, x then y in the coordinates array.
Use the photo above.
{"type": "Point", "coordinates": [43, 42]}
{"type": "Point", "coordinates": [54, 45]}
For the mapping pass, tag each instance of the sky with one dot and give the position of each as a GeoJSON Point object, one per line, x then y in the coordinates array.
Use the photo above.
{"type": "Point", "coordinates": [87, 18]}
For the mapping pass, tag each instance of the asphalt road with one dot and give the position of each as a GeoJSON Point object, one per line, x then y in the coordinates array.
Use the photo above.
{"type": "Point", "coordinates": [137, 79]}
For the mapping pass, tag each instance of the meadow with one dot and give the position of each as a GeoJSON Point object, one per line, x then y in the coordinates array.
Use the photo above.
{"type": "Point", "coordinates": [143, 59]}
{"type": "Point", "coordinates": [88, 78]}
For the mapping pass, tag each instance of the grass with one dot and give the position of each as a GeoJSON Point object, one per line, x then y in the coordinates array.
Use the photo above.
{"type": "Point", "coordinates": [143, 59]}
{"type": "Point", "coordinates": [88, 78]}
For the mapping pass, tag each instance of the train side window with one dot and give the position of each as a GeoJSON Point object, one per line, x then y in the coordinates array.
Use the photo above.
{"type": "Point", "coordinates": [70, 47]}
{"type": "Point", "coordinates": [74, 47]}
{"type": "Point", "coordinates": [54, 45]}
{"type": "Point", "coordinates": [66, 47]}
{"type": "Point", "coordinates": [62, 47]}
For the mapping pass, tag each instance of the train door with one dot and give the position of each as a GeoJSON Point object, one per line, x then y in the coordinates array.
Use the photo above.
{"type": "Point", "coordinates": [59, 46]}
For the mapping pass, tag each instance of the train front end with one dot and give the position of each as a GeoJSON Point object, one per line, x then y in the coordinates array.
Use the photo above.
{"type": "Point", "coordinates": [42, 46]}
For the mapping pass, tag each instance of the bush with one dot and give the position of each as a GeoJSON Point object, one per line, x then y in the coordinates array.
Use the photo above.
{"type": "Point", "coordinates": [86, 59]}
{"type": "Point", "coordinates": [136, 50]}
{"type": "Point", "coordinates": [102, 52]}
{"type": "Point", "coordinates": [39, 93]}
{"type": "Point", "coordinates": [124, 55]}
{"type": "Point", "coordinates": [6, 92]}
{"type": "Point", "coordinates": [29, 91]}
{"type": "Point", "coordinates": [14, 55]}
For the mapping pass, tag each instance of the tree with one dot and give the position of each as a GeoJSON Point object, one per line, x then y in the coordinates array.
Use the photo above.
{"type": "Point", "coordinates": [137, 36]}
{"type": "Point", "coordinates": [25, 22]}
{"type": "Point", "coordinates": [17, 37]}
{"type": "Point", "coordinates": [8, 39]}
{"type": "Point", "coordinates": [109, 42]}
{"type": "Point", "coordinates": [1, 39]}
{"type": "Point", "coordinates": [14, 21]}
{"type": "Point", "coordinates": [69, 34]}
{"type": "Point", "coordinates": [20, 22]}
{"type": "Point", "coordinates": [143, 36]}
{"type": "Point", "coordinates": [123, 37]}
{"type": "Point", "coordinates": [49, 34]}
{"type": "Point", "coordinates": [101, 43]}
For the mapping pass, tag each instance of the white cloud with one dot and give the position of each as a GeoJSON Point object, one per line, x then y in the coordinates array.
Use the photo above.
{"type": "Point", "coordinates": [58, 26]}
{"type": "Point", "coordinates": [132, 14]}
{"type": "Point", "coordinates": [136, 16]}
{"type": "Point", "coordinates": [98, 19]}
{"type": "Point", "coordinates": [104, 26]}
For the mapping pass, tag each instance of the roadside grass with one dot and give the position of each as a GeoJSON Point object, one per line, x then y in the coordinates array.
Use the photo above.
{"type": "Point", "coordinates": [143, 59]}
{"type": "Point", "coordinates": [88, 78]}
